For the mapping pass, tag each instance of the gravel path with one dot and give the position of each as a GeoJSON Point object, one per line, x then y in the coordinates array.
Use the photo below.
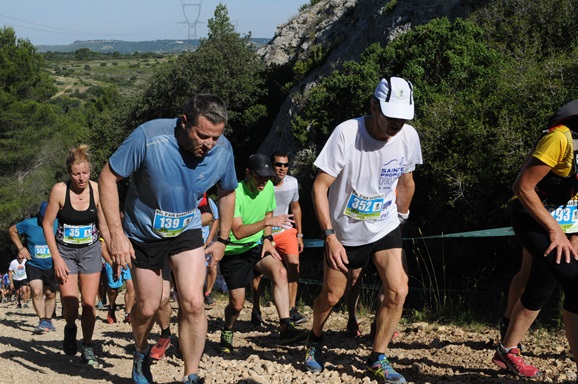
{"type": "Point", "coordinates": [424, 353]}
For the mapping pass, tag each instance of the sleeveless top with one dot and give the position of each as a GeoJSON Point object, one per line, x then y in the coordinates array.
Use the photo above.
{"type": "Point", "coordinates": [77, 228]}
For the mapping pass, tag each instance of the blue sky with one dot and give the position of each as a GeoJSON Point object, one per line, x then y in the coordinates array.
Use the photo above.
{"type": "Point", "coordinates": [48, 22]}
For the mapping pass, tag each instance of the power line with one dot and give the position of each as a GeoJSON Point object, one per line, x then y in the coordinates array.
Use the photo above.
{"type": "Point", "coordinates": [192, 12]}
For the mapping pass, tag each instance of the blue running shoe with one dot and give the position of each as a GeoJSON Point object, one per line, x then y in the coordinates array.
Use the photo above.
{"type": "Point", "coordinates": [49, 326]}
{"type": "Point", "coordinates": [193, 378]}
{"type": "Point", "coordinates": [141, 368]}
{"type": "Point", "coordinates": [382, 369]}
{"type": "Point", "coordinates": [88, 356]}
{"type": "Point", "coordinates": [40, 328]}
{"type": "Point", "coordinates": [312, 355]}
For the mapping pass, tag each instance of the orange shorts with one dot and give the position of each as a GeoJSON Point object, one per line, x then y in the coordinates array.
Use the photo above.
{"type": "Point", "coordinates": [286, 242]}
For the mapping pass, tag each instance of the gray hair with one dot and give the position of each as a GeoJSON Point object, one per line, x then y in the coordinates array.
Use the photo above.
{"type": "Point", "coordinates": [210, 106]}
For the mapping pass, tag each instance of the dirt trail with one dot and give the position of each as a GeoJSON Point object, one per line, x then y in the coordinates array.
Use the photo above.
{"type": "Point", "coordinates": [424, 353]}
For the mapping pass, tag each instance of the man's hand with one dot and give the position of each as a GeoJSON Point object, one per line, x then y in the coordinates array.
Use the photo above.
{"type": "Point", "coordinates": [269, 248]}
{"type": "Point", "coordinates": [283, 221]}
{"type": "Point", "coordinates": [121, 250]}
{"type": "Point", "coordinates": [24, 251]}
{"type": "Point", "coordinates": [335, 254]}
{"type": "Point", "coordinates": [217, 250]}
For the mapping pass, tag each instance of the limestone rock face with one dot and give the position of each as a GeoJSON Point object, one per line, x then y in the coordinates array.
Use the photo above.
{"type": "Point", "coordinates": [348, 27]}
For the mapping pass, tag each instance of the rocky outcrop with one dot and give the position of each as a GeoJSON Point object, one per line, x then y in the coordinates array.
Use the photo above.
{"type": "Point", "coordinates": [348, 27]}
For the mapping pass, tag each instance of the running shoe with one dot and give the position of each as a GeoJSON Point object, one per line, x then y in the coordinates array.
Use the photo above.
{"type": "Point", "coordinates": [292, 335]}
{"type": "Point", "coordinates": [49, 326]}
{"type": "Point", "coordinates": [209, 300]}
{"type": "Point", "coordinates": [226, 341]}
{"type": "Point", "coordinates": [40, 328]}
{"type": "Point", "coordinates": [296, 317]}
{"type": "Point", "coordinates": [126, 318]}
{"type": "Point", "coordinates": [383, 371]}
{"type": "Point", "coordinates": [25, 305]}
{"type": "Point", "coordinates": [111, 317]}
{"type": "Point", "coordinates": [141, 368]}
{"type": "Point", "coordinates": [159, 349]}
{"type": "Point", "coordinates": [193, 378]}
{"type": "Point", "coordinates": [18, 305]}
{"type": "Point", "coordinates": [69, 344]}
{"type": "Point", "coordinates": [256, 319]}
{"type": "Point", "coordinates": [99, 305]}
{"type": "Point", "coordinates": [513, 361]}
{"type": "Point", "coordinates": [88, 356]}
{"type": "Point", "coordinates": [352, 329]}
{"type": "Point", "coordinates": [312, 355]}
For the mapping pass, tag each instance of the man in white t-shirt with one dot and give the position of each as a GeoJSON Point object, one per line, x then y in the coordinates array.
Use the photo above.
{"type": "Point", "coordinates": [19, 280]}
{"type": "Point", "coordinates": [363, 163]}
{"type": "Point", "coordinates": [288, 241]}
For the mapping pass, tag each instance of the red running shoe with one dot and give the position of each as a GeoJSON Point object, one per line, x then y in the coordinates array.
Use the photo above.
{"type": "Point", "coordinates": [513, 361]}
{"type": "Point", "coordinates": [111, 317]}
{"type": "Point", "coordinates": [159, 349]}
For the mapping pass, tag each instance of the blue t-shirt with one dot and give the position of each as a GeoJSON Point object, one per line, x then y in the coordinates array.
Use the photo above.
{"type": "Point", "coordinates": [36, 242]}
{"type": "Point", "coordinates": [167, 182]}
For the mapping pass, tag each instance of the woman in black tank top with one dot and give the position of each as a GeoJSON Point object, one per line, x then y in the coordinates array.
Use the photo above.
{"type": "Point", "coordinates": [75, 248]}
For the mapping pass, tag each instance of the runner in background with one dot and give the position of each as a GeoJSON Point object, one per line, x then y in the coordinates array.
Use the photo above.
{"type": "Point", "coordinates": [39, 267]}
{"type": "Point", "coordinates": [288, 242]}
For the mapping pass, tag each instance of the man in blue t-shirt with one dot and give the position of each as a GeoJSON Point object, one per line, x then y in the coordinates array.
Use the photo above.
{"type": "Point", "coordinates": [171, 162]}
{"type": "Point", "coordinates": [39, 269]}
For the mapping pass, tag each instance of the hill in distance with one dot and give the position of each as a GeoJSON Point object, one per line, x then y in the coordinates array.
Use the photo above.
{"type": "Point", "coordinates": [130, 47]}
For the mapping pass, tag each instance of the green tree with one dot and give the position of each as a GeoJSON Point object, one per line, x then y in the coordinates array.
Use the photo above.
{"type": "Point", "coordinates": [21, 70]}
{"type": "Point", "coordinates": [34, 132]}
{"type": "Point", "coordinates": [220, 25]}
{"type": "Point", "coordinates": [84, 54]}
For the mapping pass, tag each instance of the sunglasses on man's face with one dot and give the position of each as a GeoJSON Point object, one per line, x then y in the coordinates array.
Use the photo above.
{"type": "Point", "coordinates": [278, 164]}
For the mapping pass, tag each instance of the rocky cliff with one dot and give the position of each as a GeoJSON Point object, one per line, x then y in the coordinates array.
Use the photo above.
{"type": "Point", "coordinates": [348, 27]}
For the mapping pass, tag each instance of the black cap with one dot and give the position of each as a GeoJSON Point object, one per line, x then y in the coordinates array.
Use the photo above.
{"type": "Point", "coordinates": [261, 165]}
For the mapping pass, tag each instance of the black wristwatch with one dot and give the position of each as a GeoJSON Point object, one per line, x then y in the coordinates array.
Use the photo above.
{"type": "Point", "coordinates": [268, 237]}
{"type": "Point", "coordinates": [327, 232]}
{"type": "Point", "coordinates": [224, 241]}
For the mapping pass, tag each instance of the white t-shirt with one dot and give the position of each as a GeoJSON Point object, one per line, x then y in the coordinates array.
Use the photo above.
{"type": "Point", "coordinates": [18, 270]}
{"type": "Point", "coordinates": [362, 197]}
{"type": "Point", "coordinates": [285, 194]}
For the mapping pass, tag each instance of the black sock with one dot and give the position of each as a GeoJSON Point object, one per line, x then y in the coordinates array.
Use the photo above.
{"type": "Point", "coordinates": [374, 357]}
{"type": "Point", "coordinates": [166, 332]}
{"type": "Point", "coordinates": [285, 321]}
{"type": "Point", "coordinates": [315, 339]}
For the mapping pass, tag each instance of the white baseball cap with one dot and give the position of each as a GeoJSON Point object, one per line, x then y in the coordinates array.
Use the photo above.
{"type": "Point", "coordinates": [395, 97]}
